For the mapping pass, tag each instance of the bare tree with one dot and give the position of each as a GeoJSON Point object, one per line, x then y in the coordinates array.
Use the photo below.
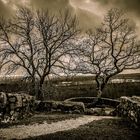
{"type": "Point", "coordinates": [37, 42]}
{"type": "Point", "coordinates": [109, 50]}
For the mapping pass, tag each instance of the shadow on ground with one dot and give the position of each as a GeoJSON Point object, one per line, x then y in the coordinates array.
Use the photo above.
{"type": "Point", "coordinates": [106, 129]}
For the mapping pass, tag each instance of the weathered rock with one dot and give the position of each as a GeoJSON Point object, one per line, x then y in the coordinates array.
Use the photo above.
{"type": "Point", "coordinates": [60, 106]}
{"type": "Point", "coordinates": [95, 111]}
{"type": "Point", "coordinates": [89, 111]}
{"type": "Point", "coordinates": [135, 98]}
{"type": "Point", "coordinates": [43, 106]}
{"type": "Point", "coordinates": [15, 106]}
{"type": "Point", "coordinates": [12, 106]}
{"type": "Point", "coordinates": [56, 105]}
{"type": "Point", "coordinates": [19, 101]}
{"type": "Point", "coordinates": [3, 99]}
{"type": "Point", "coordinates": [12, 99]}
{"type": "Point", "coordinates": [72, 106]}
{"type": "Point", "coordinates": [76, 111]}
{"type": "Point", "coordinates": [129, 108]}
{"type": "Point", "coordinates": [109, 111]}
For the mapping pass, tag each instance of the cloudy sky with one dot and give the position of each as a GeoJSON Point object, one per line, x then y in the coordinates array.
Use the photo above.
{"type": "Point", "coordinates": [89, 12]}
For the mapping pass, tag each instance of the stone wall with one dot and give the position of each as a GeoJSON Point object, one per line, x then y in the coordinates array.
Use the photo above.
{"type": "Point", "coordinates": [129, 107]}
{"type": "Point", "coordinates": [91, 102]}
{"type": "Point", "coordinates": [15, 106]}
{"type": "Point", "coordinates": [62, 106]}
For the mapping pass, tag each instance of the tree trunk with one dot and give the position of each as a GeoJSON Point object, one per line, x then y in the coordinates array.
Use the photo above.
{"type": "Point", "coordinates": [33, 87]}
{"type": "Point", "coordinates": [40, 90]}
{"type": "Point", "coordinates": [32, 92]}
{"type": "Point", "coordinates": [101, 85]}
{"type": "Point", "coordinates": [99, 93]}
{"type": "Point", "coordinates": [40, 95]}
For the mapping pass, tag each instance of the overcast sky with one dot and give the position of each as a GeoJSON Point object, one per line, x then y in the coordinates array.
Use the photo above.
{"type": "Point", "coordinates": [89, 12]}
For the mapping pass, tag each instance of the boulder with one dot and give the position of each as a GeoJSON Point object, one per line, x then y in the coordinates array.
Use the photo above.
{"type": "Point", "coordinates": [12, 99]}
{"type": "Point", "coordinates": [72, 106]}
{"type": "Point", "coordinates": [109, 111]}
{"type": "Point", "coordinates": [43, 106]}
{"type": "Point", "coordinates": [95, 111]}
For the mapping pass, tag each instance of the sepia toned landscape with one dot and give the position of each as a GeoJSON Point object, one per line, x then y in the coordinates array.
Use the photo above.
{"type": "Point", "coordinates": [69, 70]}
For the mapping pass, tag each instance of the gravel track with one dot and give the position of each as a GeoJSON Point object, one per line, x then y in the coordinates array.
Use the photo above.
{"type": "Point", "coordinates": [22, 131]}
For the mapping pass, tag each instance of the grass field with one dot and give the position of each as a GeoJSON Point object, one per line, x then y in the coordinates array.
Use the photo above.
{"type": "Point", "coordinates": [60, 89]}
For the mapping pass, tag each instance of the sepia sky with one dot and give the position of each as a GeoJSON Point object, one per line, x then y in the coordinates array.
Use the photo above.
{"type": "Point", "coordinates": [89, 12]}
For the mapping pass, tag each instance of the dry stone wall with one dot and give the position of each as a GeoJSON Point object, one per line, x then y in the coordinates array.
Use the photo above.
{"type": "Point", "coordinates": [62, 106]}
{"type": "Point", "coordinates": [15, 106]}
{"type": "Point", "coordinates": [129, 107]}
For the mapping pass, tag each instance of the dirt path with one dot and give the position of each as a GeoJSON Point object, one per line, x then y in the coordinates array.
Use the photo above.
{"type": "Point", "coordinates": [22, 131]}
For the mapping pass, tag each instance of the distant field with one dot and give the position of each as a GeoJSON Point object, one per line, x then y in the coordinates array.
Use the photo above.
{"type": "Point", "coordinates": [67, 87]}
{"type": "Point", "coordinates": [135, 76]}
{"type": "Point", "coordinates": [114, 90]}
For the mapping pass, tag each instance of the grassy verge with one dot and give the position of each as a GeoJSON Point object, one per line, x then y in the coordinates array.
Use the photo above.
{"type": "Point", "coordinates": [113, 129]}
{"type": "Point", "coordinates": [42, 117]}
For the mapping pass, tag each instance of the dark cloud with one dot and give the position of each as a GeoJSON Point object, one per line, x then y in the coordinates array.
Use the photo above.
{"type": "Point", "coordinates": [130, 5]}
{"type": "Point", "coordinates": [86, 19]}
